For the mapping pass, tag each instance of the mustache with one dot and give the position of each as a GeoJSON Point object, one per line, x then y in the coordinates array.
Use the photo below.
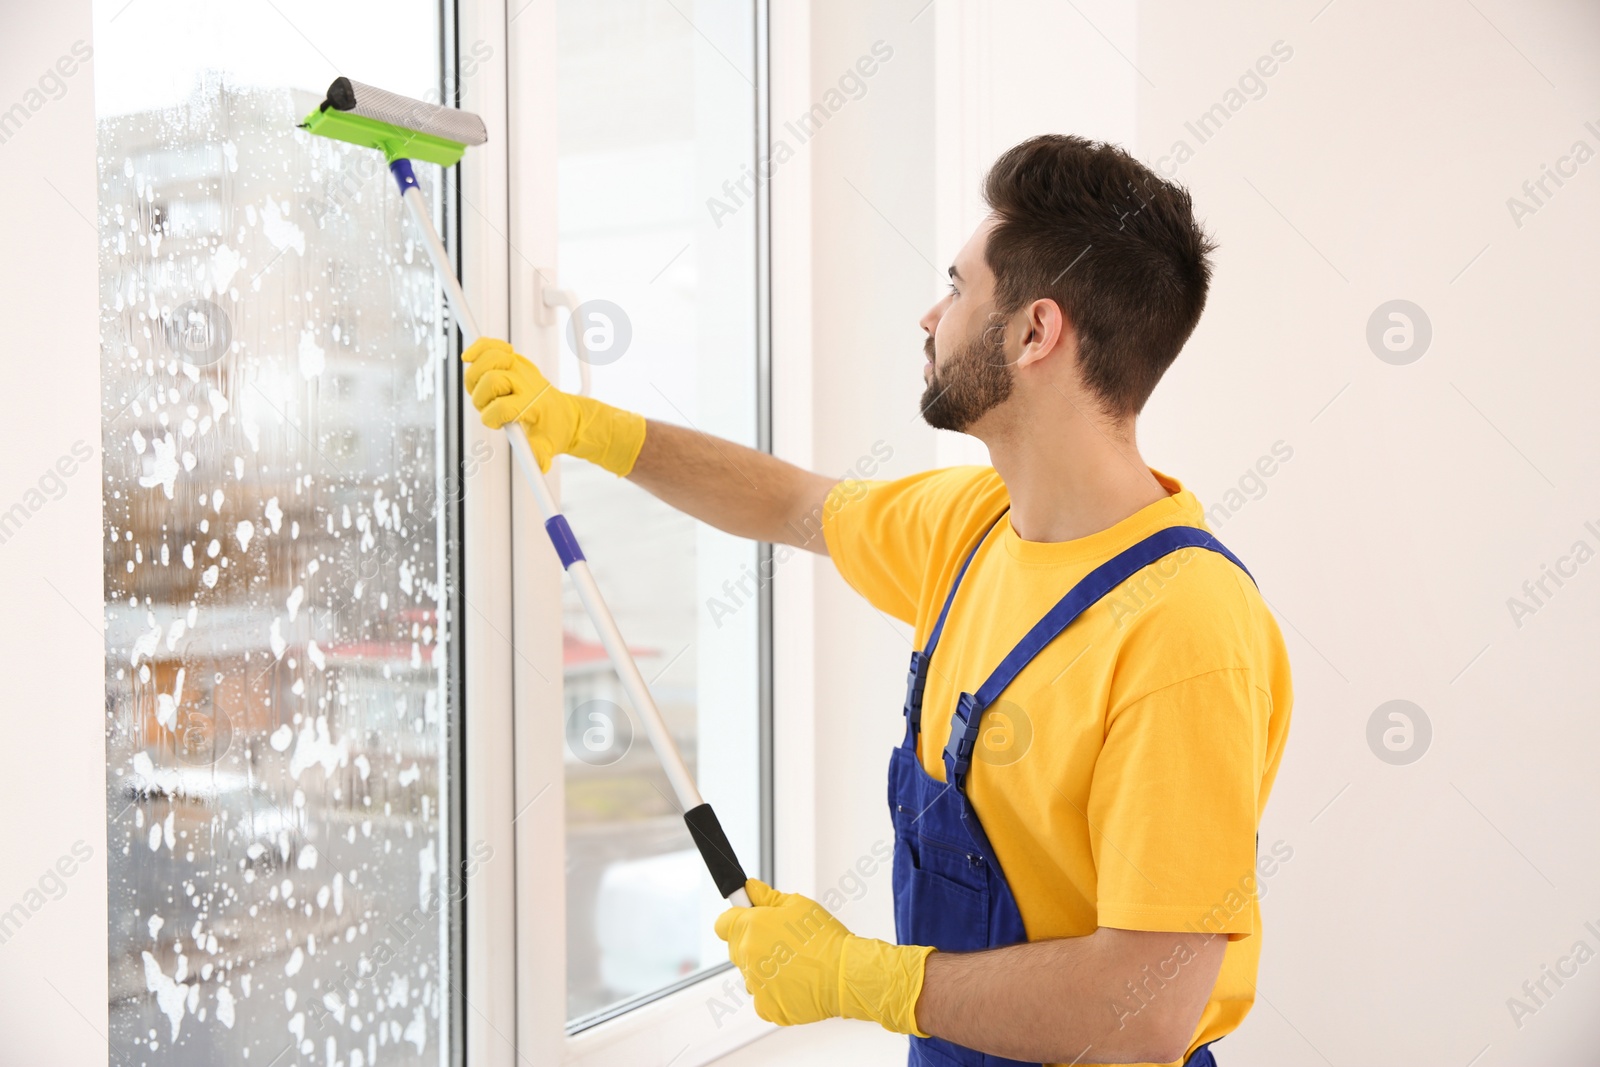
{"type": "Point", "coordinates": [927, 348]}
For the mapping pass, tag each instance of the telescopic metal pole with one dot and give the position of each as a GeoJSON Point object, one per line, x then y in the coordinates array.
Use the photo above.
{"type": "Point", "coordinates": [702, 821]}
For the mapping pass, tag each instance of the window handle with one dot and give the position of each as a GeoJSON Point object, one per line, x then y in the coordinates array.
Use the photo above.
{"type": "Point", "coordinates": [549, 297]}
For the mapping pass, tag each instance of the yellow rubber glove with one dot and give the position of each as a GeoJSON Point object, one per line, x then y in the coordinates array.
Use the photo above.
{"type": "Point", "coordinates": [802, 965]}
{"type": "Point", "coordinates": [505, 386]}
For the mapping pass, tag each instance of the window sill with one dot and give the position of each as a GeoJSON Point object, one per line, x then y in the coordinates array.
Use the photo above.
{"type": "Point", "coordinates": [693, 1026]}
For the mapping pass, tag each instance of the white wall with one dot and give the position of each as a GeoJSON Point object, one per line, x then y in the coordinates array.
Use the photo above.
{"type": "Point", "coordinates": [52, 764]}
{"type": "Point", "coordinates": [1376, 166]}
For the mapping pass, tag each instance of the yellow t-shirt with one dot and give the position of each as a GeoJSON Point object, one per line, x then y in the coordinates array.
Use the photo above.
{"type": "Point", "coordinates": [1121, 777]}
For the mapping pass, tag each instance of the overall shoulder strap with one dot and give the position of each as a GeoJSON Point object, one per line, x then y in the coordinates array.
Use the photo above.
{"type": "Point", "coordinates": [950, 598]}
{"type": "Point", "coordinates": [1093, 586]}
{"type": "Point", "coordinates": [917, 675]}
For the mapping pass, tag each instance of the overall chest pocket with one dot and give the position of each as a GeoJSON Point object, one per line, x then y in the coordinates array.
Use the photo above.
{"type": "Point", "coordinates": [941, 891]}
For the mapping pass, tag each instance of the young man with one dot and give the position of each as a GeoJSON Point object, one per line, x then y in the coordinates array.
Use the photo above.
{"type": "Point", "coordinates": [1100, 698]}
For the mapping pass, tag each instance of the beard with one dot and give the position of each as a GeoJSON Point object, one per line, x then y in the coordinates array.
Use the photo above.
{"type": "Point", "coordinates": [975, 380]}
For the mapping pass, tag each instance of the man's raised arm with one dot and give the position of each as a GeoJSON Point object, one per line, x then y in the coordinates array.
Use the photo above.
{"type": "Point", "coordinates": [736, 489]}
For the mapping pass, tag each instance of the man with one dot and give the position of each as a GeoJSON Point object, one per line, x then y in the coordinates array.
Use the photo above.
{"type": "Point", "coordinates": [1100, 698]}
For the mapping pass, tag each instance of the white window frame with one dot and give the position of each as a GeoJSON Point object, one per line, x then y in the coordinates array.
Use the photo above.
{"type": "Point", "coordinates": [489, 1015]}
{"type": "Point", "coordinates": [516, 937]}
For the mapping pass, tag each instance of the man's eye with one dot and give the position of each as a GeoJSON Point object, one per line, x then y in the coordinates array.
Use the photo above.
{"type": "Point", "coordinates": [953, 290]}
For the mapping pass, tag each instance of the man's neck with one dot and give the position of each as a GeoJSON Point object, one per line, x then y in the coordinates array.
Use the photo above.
{"type": "Point", "coordinates": [1072, 479]}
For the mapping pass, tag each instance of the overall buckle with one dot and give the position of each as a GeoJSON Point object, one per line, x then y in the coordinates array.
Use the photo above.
{"type": "Point", "coordinates": [916, 681]}
{"type": "Point", "coordinates": [963, 740]}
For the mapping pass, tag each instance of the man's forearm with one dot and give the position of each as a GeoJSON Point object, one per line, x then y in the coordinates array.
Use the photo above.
{"type": "Point", "coordinates": [1115, 996]}
{"type": "Point", "coordinates": [736, 489]}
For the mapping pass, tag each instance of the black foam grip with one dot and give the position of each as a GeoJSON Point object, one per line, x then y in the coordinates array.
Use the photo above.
{"type": "Point", "coordinates": [714, 849]}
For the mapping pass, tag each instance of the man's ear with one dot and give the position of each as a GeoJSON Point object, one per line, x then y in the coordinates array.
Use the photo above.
{"type": "Point", "coordinates": [1045, 330]}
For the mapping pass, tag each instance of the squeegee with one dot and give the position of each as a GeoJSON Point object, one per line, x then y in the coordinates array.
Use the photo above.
{"type": "Point", "coordinates": [404, 129]}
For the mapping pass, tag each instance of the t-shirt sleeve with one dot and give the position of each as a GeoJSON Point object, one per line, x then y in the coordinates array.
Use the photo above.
{"type": "Point", "coordinates": [1174, 805]}
{"type": "Point", "coordinates": [889, 538]}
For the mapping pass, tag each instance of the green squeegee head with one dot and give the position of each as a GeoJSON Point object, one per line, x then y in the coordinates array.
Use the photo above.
{"type": "Point", "coordinates": [397, 126]}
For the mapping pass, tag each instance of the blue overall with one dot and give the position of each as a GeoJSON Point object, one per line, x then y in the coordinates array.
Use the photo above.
{"type": "Point", "coordinates": [949, 890]}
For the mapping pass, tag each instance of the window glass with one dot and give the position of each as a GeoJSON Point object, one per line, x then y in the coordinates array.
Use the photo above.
{"type": "Point", "coordinates": [277, 623]}
{"type": "Point", "coordinates": [657, 156]}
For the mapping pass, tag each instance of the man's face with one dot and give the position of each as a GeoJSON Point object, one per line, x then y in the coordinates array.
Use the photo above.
{"type": "Point", "coordinates": [966, 371]}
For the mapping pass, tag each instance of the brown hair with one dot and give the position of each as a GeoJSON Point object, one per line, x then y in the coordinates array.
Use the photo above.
{"type": "Point", "coordinates": [1085, 224]}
